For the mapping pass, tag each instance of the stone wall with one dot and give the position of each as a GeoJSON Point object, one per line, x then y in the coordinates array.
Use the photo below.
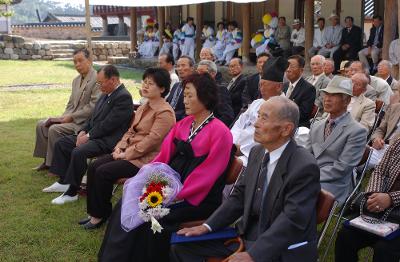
{"type": "Point", "coordinates": [102, 50]}
{"type": "Point", "coordinates": [52, 32]}
{"type": "Point", "coordinates": [15, 47]}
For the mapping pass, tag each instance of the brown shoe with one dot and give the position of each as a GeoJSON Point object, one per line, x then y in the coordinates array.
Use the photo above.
{"type": "Point", "coordinates": [41, 167]}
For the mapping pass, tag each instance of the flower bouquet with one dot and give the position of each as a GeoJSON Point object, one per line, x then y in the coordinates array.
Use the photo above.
{"type": "Point", "coordinates": [147, 195]}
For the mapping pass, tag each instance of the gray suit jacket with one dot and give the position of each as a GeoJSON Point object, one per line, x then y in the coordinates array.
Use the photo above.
{"type": "Point", "coordinates": [389, 124]}
{"type": "Point", "coordinates": [338, 154]}
{"type": "Point", "coordinates": [321, 83]}
{"type": "Point", "coordinates": [83, 98]}
{"type": "Point", "coordinates": [288, 215]}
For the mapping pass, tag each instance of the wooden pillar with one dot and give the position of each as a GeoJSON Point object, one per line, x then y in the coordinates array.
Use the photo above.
{"type": "Point", "coordinates": [161, 22]}
{"type": "Point", "coordinates": [390, 21]}
{"type": "Point", "coordinates": [229, 8]}
{"type": "Point", "coordinates": [88, 27]}
{"type": "Point", "coordinates": [133, 29]}
{"type": "Point", "coordinates": [338, 8]}
{"type": "Point", "coordinates": [199, 28]}
{"type": "Point", "coordinates": [246, 32]}
{"type": "Point", "coordinates": [309, 28]}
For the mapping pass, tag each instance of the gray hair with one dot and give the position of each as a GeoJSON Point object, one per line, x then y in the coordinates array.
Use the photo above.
{"type": "Point", "coordinates": [209, 50]}
{"type": "Point", "coordinates": [320, 57]}
{"type": "Point", "coordinates": [211, 66]}
{"type": "Point", "coordinates": [191, 61]}
{"type": "Point", "coordinates": [386, 63]}
{"type": "Point", "coordinates": [362, 77]}
{"type": "Point", "coordinates": [288, 110]}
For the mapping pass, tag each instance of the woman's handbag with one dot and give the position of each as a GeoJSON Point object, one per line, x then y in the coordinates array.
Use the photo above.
{"type": "Point", "coordinates": [391, 214]}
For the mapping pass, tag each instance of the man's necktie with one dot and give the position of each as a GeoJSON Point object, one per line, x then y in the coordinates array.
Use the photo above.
{"type": "Point", "coordinates": [230, 84]}
{"type": "Point", "coordinates": [262, 182]}
{"type": "Point", "coordinates": [330, 124]}
{"type": "Point", "coordinates": [290, 90]}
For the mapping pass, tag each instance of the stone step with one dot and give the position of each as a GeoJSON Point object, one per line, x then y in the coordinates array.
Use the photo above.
{"type": "Point", "coordinates": [63, 59]}
{"type": "Point", "coordinates": [62, 55]}
{"type": "Point", "coordinates": [60, 46]}
{"type": "Point", "coordinates": [62, 51]}
{"type": "Point", "coordinates": [118, 60]}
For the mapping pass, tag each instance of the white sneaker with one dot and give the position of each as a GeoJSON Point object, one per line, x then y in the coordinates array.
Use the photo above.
{"type": "Point", "coordinates": [56, 187]}
{"type": "Point", "coordinates": [61, 200]}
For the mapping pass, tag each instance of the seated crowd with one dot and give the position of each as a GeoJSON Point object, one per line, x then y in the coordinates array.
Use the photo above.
{"type": "Point", "coordinates": [294, 134]}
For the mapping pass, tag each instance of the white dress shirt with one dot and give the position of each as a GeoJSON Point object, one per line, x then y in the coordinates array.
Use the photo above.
{"type": "Point", "coordinates": [273, 160]}
{"type": "Point", "coordinates": [298, 37]}
{"type": "Point", "coordinates": [174, 78]}
{"type": "Point", "coordinates": [318, 37]}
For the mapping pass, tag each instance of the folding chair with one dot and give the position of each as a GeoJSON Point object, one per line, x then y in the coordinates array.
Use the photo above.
{"type": "Point", "coordinates": [364, 164]}
{"type": "Point", "coordinates": [314, 113]}
{"type": "Point", "coordinates": [379, 111]}
{"type": "Point", "coordinates": [326, 206]}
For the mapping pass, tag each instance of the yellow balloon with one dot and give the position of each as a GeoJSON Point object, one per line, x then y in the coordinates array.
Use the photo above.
{"type": "Point", "coordinates": [258, 38]}
{"type": "Point", "coordinates": [266, 18]}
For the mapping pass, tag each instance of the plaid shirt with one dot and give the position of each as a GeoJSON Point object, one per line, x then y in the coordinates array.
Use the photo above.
{"type": "Point", "coordinates": [386, 172]}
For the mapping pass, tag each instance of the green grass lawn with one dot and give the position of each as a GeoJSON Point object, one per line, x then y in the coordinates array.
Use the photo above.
{"type": "Point", "coordinates": [31, 229]}
{"type": "Point", "coordinates": [49, 72]}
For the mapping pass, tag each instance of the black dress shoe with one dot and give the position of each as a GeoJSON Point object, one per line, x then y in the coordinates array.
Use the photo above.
{"type": "Point", "coordinates": [84, 221]}
{"type": "Point", "coordinates": [89, 225]}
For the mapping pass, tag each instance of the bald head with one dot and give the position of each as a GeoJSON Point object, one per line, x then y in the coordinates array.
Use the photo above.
{"type": "Point", "coordinates": [277, 122]}
{"type": "Point", "coordinates": [360, 82]}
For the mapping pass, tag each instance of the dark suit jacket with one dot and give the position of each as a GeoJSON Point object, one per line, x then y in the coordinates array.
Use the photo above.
{"type": "Point", "coordinates": [251, 91]}
{"type": "Point", "coordinates": [236, 91]}
{"type": "Point", "coordinates": [111, 117]}
{"type": "Point", "coordinates": [371, 38]}
{"type": "Point", "coordinates": [352, 38]}
{"type": "Point", "coordinates": [180, 107]}
{"type": "Point", "coordinates": [304, 96]}
{"type": "Point", "coordinates": [288, 215]}
{"type": "Point", "coordinates": [224, 111]}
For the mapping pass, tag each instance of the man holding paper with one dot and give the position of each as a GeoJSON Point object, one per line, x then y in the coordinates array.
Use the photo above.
{"type": "Point", "coordinates": [275, 197]}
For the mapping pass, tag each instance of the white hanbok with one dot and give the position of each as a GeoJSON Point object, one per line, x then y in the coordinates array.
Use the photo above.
{"type": "Point", "coordinates": [176, 42]}
{"type": "Point", "coordinates": [264, 47]}
{"type": "Point", "coordinates": [233, 44]}
{"type": "Point", "coordinates": [220, 44]}
{"type": "Point", "coordinates": [208, 35]}
{"type": "Point", "coordinates": [189, 44]}
{"type": "Point", "coordinates": [147, 49]}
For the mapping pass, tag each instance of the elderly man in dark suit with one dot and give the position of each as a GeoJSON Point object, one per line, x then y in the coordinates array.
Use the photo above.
{"type": "Point", "coordinates": [237, 84]}
{"type": "Point", "coordinates": [223, 110]}
{"type": "Point", "coordinates": [374, 45]}
{"type": "Point", "coordinates": [350, 44]}
{"type": "Point", "coordinates": [299, 90]}
{"type": "Point", "coordinates": [184, 67]}
{"type": "Point", "coordinates": [251, 91]}
{"type": "Point", "coordinates": [275, 198]}
{"type": "Point", "coordinates": [108, 123]}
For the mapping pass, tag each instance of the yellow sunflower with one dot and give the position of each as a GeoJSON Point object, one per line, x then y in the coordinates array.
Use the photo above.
{"type": "Point", "coordinates": [154, 199]}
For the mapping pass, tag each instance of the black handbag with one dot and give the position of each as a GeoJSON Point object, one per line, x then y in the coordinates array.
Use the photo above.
{"type": "Point", "coordinates": [391, 214]}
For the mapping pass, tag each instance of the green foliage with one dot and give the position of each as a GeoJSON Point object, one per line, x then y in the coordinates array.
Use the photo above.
{"type": "Point", "coordinates": [3, 12]}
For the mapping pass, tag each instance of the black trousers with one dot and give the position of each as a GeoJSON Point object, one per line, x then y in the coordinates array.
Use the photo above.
{"type": "Point", "coordinates": [200, 251]}
{"type": "Point", "coordinates": [339, 55]}
{"type": "Point", "coordinates": [350, 241]}
{"type": "Point", "coordinates": [70, 162]}
{"type": "Point", "coordinates": [141, 244]}
{"type": "Point", "coordinates": [101, 176]}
